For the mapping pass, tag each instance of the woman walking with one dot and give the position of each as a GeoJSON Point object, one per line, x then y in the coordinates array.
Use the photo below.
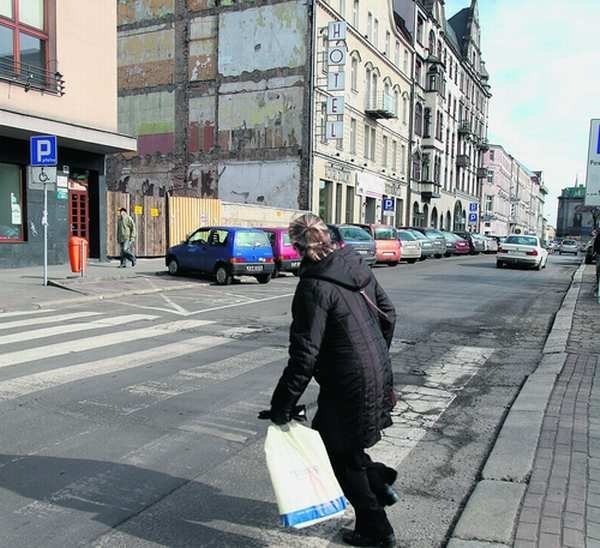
{"type": "Point", "coordinates": [343, 323]}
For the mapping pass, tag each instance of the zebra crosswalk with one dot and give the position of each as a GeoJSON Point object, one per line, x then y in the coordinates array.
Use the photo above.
{"type": "Point", "coordinates": [139, 406]}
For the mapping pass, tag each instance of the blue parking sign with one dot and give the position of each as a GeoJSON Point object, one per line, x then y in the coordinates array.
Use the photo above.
{"type": "Point", "coordinates": [473, 207]}
{"type": "Point", "coordinates": [43, 150]}
{"type": "Point", "coordinates": [388, 204]}
{"type": "Point", "coordinates": [472, 218]}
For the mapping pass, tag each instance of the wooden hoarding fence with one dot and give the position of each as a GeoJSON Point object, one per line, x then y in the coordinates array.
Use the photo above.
{"type": "Point", "coordinates": [186, 214]}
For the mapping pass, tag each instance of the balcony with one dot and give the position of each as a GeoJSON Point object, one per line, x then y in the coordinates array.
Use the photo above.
{"type": "Point", "coordinates": [463, 160]}
{"type": "Point", "coordinates": [483, 144]}
{"type": "Point", "coordinates": [482, 173]}
{"type": "Point", "coordinates": [382, 107]}
{"type": "Point", "coordinates": [428, 190]}
{"type": "Point", "coordinates": [464, 128]}
{"type": "Point", "coordinates": [31, 77]}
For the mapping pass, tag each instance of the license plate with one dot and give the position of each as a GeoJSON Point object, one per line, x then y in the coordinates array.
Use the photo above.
{"type": "Point", "coordinates": [516, 252]}
{"type": "Point", "coordinates": [296, 265]}
{"type": "Point", "coordinates": [254, 268]}
{"type": "Point", "coordinates": [362, 252]}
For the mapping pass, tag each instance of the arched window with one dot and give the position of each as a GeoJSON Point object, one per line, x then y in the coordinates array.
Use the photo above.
{"type": "Point", "coordinates": [354, 74]}
{"type": "Point", "coordinates": [439, 50]}
{"type": "Point", "coordinates": [397, 103]}
{"type": "Point", "coordinates": [375, 91]}
{"type": "Point", "coordinates": [368, 88]}
{"type": "Point", "coordinates": [419, 119]}
{"type": "Point", "coordinates": [405, 110]}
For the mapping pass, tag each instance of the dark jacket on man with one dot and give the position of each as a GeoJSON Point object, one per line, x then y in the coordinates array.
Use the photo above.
{"type": "Point", "coordinates": [343, 341]}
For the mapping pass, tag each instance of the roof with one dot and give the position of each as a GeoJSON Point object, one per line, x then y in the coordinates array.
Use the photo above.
{"type": "Point", "coordinates": [452, 37]}
{"type": "Point", "coordinates": [459, 24]}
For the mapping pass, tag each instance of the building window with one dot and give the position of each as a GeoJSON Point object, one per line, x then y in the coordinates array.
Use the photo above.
{"type": "Point", "coordinates": [403, 159]}
{"type": "Point", "coordinates": [405, 62]}
{"type": "Point", "coordinates": [370, 27]}
{"type": "Point", "coordinates": [427, 123]}
{"type": "Point", "coordinates": [350, 204]}
{"type": "Point", "coordinates": [489, 204]}
{"type": "Point", "coordinates": [373, 143]}
{"type": "Point", "coordinates": [418, 70]}
{"type": "Point", "coordinates": [366, 141]}
{"type": "Point", "coordinates": [396, 103]}
{"type": "Point", "coordinates": [376, 34]}
{"type": "Point", "coordinates": [24, 44]}
{"type": "Point", "coordinates": [394, 156]}
{"type": "Point", "coordinates": [385, 151]}
{"type": "Point", "coordinates": [431, 43]}
{"type": "Point", "coordinates": [11, 203]}
{"type": "Point", "coordinates": [404, 110]}
{"type": "Point", "coordinates": [354, 74]}
{"type": "Point", "coordinates": [352, 136]}
{"type": "Point", "coordinates": [420, 24]}
{"type": "Point", "coordinates": [492, 155]}
{"type": "Point", "coordinates": [440, 126]}
{"type": "Point", "coordinates": [355, 9]}
{"type": "Point", "coordinates": [397, 54]}
{"type": "Point", "coordinates": [325, 200]}
{"type": "Point", "coordinates": [388, 38]}
{"type": "Point", "coordinates": [419, 119]}
{"type": "Point", "coordinates": [343, 8]}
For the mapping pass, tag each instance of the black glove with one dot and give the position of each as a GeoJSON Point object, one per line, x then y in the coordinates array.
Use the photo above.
{"type": "Point", "coordinates": [278, 418]}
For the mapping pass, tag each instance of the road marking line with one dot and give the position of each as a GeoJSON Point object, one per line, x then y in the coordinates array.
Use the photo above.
{"type": "Point", "coordinates": [36, 382]}
{"type": "Point", "coordinates": [49, 319]}
{"type": "Point", "coordinates": [73, 328]}
{"type": "Point", "coordinates": [177, 307]}
{"type": "Point", "coordinates": [420, 407]}
{"type": "Point", "coordinates": [90, 343]}
{"type": "Point", "coordinates": [199, 428]}
{"type": "Point", "coordinates": [253, 301]}
{"type": "Point", "coordinates": [25, 313]}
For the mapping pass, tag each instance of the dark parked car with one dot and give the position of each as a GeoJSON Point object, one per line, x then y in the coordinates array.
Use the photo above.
{"type": "Point", "coordinates": [435, 236]}
{"type": "Point", "coordinates": [224, 252]}
{"type": "Point", "coordinates": [476, 245]}
{"type": "Point", "coordinates": [357, 238]}
{"type": "Point", "coordinates": [456, 245]}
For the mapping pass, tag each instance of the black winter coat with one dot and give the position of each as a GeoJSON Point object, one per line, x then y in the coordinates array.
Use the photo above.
{"type": "Point", "coordinates": [338, 338]}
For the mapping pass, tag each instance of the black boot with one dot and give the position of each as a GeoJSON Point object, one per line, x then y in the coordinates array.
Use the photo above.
{"type": "Point", "coordinates": [357, 539]}
{"type": "Point", "coordinates": [372, 529]}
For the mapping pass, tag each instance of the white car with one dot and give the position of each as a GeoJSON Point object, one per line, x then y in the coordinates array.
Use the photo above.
{"type": "Point", "coordinates": [568, 246]}
{"type": "Point", "coordinates": [522, 250]}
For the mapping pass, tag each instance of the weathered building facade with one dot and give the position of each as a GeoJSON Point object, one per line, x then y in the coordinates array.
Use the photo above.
{"type": "Point", "coordinates": [573, 219]}
{"type": "Point", "coordinates": [450, 114]}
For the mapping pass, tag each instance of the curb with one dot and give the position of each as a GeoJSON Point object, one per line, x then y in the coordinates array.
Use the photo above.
{"type": "Point", "coordinates": [489, 517]}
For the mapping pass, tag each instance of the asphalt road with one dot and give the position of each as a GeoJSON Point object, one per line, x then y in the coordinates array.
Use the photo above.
{"type": "Point", "coordinates": [133, 422]}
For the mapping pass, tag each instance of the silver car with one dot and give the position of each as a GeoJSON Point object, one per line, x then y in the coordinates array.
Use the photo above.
{"type": "Point", "coordinates": [411, 246]}
{"type": "Point", "coordinates": [427, 249]}
{"type": "Point", "coordinates": [568, 246]}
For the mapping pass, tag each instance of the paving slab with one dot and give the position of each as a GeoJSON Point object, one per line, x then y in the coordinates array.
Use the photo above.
{"type": "Point", "coordinates": [491, 512]}
{"type": "Point", "coordinates": [458, 543]}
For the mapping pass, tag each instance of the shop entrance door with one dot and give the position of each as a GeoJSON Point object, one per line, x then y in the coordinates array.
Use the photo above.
{"type": "Point", "coordinates": [79, 218]}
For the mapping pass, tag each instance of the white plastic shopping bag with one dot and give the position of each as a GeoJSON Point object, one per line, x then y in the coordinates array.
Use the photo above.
{"type": "Point", "coordinates": [305, 486]}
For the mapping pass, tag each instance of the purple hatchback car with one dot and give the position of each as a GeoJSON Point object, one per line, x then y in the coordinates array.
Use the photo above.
{"type": "Point", "coordinates": [286, 257]}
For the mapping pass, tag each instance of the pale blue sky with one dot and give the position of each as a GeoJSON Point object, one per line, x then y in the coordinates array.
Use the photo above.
{"type": "Point", "coordinates": [544, 63]}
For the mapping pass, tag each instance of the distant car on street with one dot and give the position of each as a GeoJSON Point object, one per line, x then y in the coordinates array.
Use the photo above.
{"type": "Point", "coordinates": [522, 250]}
{"type": "Point", "coordinates": [225, 252]}
{"type": "Point", "coordinates": [455, 244]}
{"type": "Point", "coordinates": [357, 238]}
{"type": "Point", "coordinates": [476, 245]}
{"type": "Point", "coordinates": [435, 236]}
{"type": "Point", "coordinates": [410, 245]}
{"type": "Point", "coordinates": [387, 245]}
{"type": "Point", "coordinates": [286, 257]}
{"type": "Point", "coordinates": [568, 246]}
{"type": "Point", "coordinates": [491, 245]}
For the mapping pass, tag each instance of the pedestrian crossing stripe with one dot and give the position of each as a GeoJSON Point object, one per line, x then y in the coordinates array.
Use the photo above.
{"type": "Point", "coordinates": [46, 320]}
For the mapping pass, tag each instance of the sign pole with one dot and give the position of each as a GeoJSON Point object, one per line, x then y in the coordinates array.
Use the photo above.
{"type": "Point", "coordinates": [45, 225]}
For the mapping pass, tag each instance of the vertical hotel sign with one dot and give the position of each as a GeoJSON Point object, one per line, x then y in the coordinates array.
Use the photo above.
{"type": "Point", "coordinates": [592, 182]}
{"type": "Point", "coordinates": [337, 54]}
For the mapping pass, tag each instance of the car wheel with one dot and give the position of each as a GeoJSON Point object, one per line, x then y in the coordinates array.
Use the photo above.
{"type": "Point", "coordinates": [438, 256]}
{"type": "Point", "coordinates": [173, 267]}
{"type": "Point", "coordinates": [222, 275]}
{"type": "Point", "coordinates": [413, 261]}
{"type": "Point", "coordinates": [499, 264]}
{"type": "Point", "coordinates": [560, 252]}
{"type": "Point", "coordinates": [264, 278]}
{"type": "Point", "coordinates": [393, 264]}
{"type": "Point", "coordinates": [423, 258]}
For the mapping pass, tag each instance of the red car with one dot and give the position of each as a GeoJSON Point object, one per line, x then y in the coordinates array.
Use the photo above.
{"type": "Point", "coordinates": [460, 247]}
{"type": "Point", "coordinates": [388, 247]}
{"type": "Point", "coordinates": [286, 257]}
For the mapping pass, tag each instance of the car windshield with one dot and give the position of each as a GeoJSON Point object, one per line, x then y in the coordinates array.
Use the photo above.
{"type": "Point", "coordinates": [521, 240]}
{"type": "Point", "coordinates": [451, 237]}
{"type": "Point", "coordinates": [407, 236]}
{"type": "Point", "coordinates": [251, 238]}
{"type": "Point", "coordinates": [287, 241]}
{"type": "Point", "coordinates": [387, 233]}
{"type": "Point", "coordinates": [434, 233]}
{"type": "Point", "coordinates": [354, 234]}
{"type": "Point", "coordinates": [569, 242]}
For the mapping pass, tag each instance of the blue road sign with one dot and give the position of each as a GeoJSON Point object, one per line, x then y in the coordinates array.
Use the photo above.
{"type": "Point", "coordinates": [388, 204]}
{"type": "Point", "coordinates": [43, 150]}
{"type": "Point", "coordinates": [473, 207]}
{"type": "Point", "coordinates": [472, 218]}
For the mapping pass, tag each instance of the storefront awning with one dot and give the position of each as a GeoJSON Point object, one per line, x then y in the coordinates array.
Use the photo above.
{"type": "Point", "coordinates": [19, 125]}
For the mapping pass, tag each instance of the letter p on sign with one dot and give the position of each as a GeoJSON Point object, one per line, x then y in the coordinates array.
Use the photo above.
{"type": "Point", "coordinates": [43, 150]}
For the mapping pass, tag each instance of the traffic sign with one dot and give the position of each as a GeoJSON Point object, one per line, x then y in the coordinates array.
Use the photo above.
{"type": "Point", "coordinates": [389, 206]}
{"type": "Point", "coordinates": [38, 176]}
{"type": "Point", "coordinates": [43, 150]}
{"type": "Point", "coordinates": [473, 207]}
{"type": "Point", "coordinates": [473, 218]}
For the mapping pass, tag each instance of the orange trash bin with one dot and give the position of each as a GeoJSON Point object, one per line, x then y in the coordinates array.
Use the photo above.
{"type": "Point", "coordinates": [78, 253]}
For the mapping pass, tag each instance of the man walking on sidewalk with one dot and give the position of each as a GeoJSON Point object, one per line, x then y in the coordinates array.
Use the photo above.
{"type": "Point", "coordinates": [126, 237]}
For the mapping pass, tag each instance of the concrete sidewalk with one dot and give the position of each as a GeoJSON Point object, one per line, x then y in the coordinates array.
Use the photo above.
{"type": "Point", "coordinates": [540, 486]}
{"type": "Point", "coordinates": [22, 289]}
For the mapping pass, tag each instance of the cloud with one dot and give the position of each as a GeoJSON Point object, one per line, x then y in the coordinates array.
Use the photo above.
{"type": "Point", "coordinates": [542, 59]}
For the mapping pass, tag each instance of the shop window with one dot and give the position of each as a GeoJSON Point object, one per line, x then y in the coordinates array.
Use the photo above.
{"type": "Point", "coordinates": [11, 204]}
{"type": "Point", "coordinates": [325, 200]}
{"type": "Point", "coordinates": [25, 44]}
{"type": "Point", "coordinates": [339, 189]}
{"type": "Point", "coordinates": [350, 204]}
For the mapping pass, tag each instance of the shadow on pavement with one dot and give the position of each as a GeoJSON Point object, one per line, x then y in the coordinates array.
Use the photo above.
{"type": "Point", "coordinates": [115, 494]}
